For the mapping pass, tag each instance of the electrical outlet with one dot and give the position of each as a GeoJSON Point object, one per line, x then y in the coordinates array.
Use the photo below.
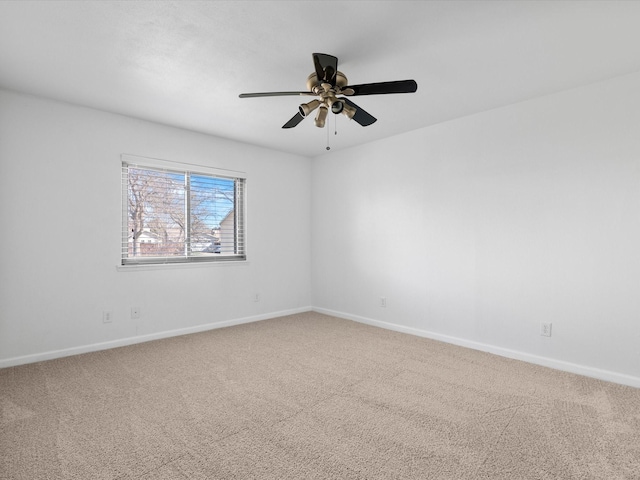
{"type": "Point", "coordinates": [383, 301]}
{"type": "Point", "coordinates": [256, 297]}
{"type": "Point", "coordinates": [545, 329]}
{"type": "Point", "coordinates": [135, 312]}
{"type": "Point", "coordinates": [107, 316]}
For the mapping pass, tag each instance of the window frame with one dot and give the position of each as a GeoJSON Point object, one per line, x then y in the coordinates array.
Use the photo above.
{"type": "Point", "coordinates": [240, 191]}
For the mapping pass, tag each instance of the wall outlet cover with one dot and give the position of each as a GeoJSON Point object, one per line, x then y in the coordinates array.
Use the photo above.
{"type": "Point", "coordinates": [545, 329]}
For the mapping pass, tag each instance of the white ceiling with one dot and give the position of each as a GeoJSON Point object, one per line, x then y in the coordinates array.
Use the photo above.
{"type": "Point", "coordinates": [183, 63]}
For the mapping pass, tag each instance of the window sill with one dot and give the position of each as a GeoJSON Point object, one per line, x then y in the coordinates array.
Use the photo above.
{"type": "Point", "coordinates": [171, 266]}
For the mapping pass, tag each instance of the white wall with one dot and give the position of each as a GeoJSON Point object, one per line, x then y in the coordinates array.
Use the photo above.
{"type": "Point", "coordinates": [60, 218]}
{"type": "Point", "coordinates": [479, 229]}
{"type": "Point", "coordinates": [475, 231]}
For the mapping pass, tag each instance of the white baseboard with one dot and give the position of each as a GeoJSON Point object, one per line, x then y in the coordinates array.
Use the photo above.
{"type": "Point", "coordinates": [123, 342]}
{"type": "Point", "coordinates": [587, 371]}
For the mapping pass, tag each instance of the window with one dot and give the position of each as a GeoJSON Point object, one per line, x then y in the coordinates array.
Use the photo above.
{"type": "Point", "coordinates": [175, 214]}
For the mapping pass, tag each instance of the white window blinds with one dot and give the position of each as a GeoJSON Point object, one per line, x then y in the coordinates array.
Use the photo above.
{"type": "Point", "coordinates": [175, 215]}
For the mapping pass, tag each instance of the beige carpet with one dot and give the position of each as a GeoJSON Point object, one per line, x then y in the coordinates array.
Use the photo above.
{"type": "Point", "coordinates": [311, 397]}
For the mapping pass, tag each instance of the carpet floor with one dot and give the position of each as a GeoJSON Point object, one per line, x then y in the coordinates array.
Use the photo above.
{"type": "Point", "coordinates": [310, 396]}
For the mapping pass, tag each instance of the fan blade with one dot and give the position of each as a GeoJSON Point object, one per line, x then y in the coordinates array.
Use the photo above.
{"type": "Point", "coordinates": [273, 94]}
{"type": "Point", "coordinates": [363, 118]}
{"type": "Point", "coordinates": [295, 120]}
{"type": "Point", "coordinates": [400, 86]}
{"type": "Point", "coordinates": [326, 68]}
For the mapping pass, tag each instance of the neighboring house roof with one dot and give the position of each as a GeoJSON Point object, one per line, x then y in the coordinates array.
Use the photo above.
{"type": "Point", "coordinates": [230, 214]}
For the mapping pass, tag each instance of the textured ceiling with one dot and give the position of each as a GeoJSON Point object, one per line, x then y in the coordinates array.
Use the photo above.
{"type": "Point", "coordinates": [184, 63]}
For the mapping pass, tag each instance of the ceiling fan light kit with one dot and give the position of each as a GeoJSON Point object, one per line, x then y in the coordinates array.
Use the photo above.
{"type": "Point", "coordinates": [327, 83]}
{"type": "Point", "coordinates": [306, 108]}
{"type": "Point", "coordinates": [321, 116]}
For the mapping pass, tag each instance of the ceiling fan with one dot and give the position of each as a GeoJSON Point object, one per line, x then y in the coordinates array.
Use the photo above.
{"type": "Point", "coordinates": [327, 83]}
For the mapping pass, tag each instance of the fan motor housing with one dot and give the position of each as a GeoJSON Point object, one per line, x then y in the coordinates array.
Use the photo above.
{"type": "Point", "coordinates": [312, 80]}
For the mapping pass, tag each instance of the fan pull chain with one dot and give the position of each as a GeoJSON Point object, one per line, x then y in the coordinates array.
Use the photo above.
{"type": "Point", "coordinates": [335, 130]}
{"type": "Point", "coordinates": [328, 147]}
